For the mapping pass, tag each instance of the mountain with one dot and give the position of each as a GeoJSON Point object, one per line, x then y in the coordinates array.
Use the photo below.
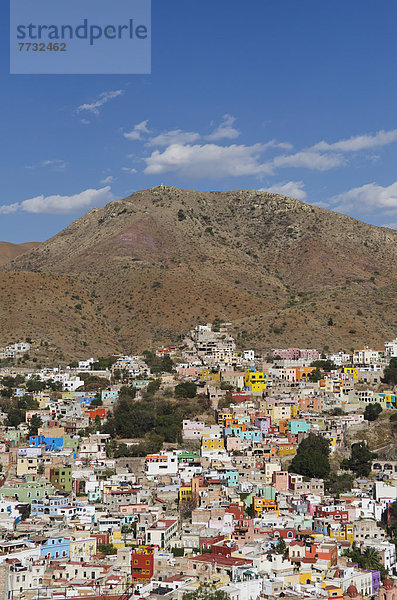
{"type": "Point", "coordinates": [152, 265]}
{"type": "Point", "coordinates": [9, 251]}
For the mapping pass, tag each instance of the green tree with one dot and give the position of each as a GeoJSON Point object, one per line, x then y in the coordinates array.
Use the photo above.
{"type": "Point", "coordinates": [281, 546]}
{"type": "Point", "coordinates": [54, 386]}
{"type": "Point", "coordinates": [34, 384]}
{"type": "Point", "coordinates": [127, 390]}
{"type": "Point", "coordinates": [372, 411]}
{"type": "Point", "coordinates": [15, 416]}
{"type": "Point", "coordinates": [336, 412]}
{"type": "Point", "coordinates": [103, 363]}
{"type": "Point", "coordinates": [369, 559]}
{"type": "Point", "coordinates": [153, 387]}
{"type": "Point", "coordinates": [315, 375]}
{"type": "Point", "coordinates": [311, 458]}
{"type": "Point", "coordinates": [96, 402]}
{"type": "Point", "coordinates": [324, 365]}
{"type": "Point", "coordinates": [158, 364]}
{"type": "Point", "coordinates": [107, 549]}
{"type": "Point", "coordinates": [360, 459]}
{"type": "Point", "coordinates": [130, 419]}
{"type": "Point", "coordinates": [338, 484]}
{"type": "Point", "coordinates": [169, 427]}
{"type": "Point", "coordinates": [34, 425]}
{"type": "Point", "coordinates": [27, 402]}
{"type": "Point", "coordinates": [186, 389]}
{"type": "Point", "coordinates": [206, 592]}
{"type": "Point", "coordinates": [390, 373]}
{"type": "Point", "coordinates": [226, 386]}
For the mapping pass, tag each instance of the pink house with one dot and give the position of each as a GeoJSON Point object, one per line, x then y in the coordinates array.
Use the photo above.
{"type": "Point", "coordinates": [131, 509]}
{"type": "Point", "coordinates": [188, 371]}
{"type": "Point", "coordinates": [243, 531]}
{"type": "Point", "coordinates": [281, 480]}
{"type": "Point", "coordinates": [233, 443]}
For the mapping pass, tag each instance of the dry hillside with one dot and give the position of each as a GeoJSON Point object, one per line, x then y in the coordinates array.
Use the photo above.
{"type": "Point", "coordinates": [8, 251]}
{"type": "Point", "coordinates": [155, 263]}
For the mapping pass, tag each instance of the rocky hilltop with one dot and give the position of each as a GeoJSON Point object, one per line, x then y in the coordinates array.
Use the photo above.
{"type": "Point", "coordinates": [151, 265]}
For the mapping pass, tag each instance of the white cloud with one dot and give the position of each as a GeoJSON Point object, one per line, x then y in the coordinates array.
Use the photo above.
{"type": "Point", "coordinates": [195, 155]}
{"type": "Point", "coordinates": [293, 189]}
{"type": "Point", "coordinates": [359, 142]}
{"type": "Point", "coordinates": [61, 204]}
{"type": "Point", "coordinates": [139, 129]}
{"type": "Point", "coordinates": [390, 225]}
{"type": "Point", "coordinates": [369, 198]}
{"type": "Point", "coordinates": [8, 209]}
{"type": "Point", "coordinates": [108, 179]}
{"type": "Point", "coordinates": [208, 160]}
{"type": "Point", "coordinates": [102, 99]}
{"type": "Point", "coordinates": [308, 159]}
{"type": "Point", "coordinates": [225, 130]}
{"type": "Point", "coordinates": [176, 136]}
{"type": "Point", "coordinates": [56, 164]}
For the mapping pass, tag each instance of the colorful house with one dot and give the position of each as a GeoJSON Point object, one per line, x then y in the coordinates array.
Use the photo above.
{"type": "Point", "coordinates": [263, 505]}
{"type": "Point", "coordinates": [61, 478]}
{"type": "Point", "coordinates": [255, 381]}
{"type": "Point", "coordinates": [209, 442]}
{"type": "Point", "coordinates": [142, 564]}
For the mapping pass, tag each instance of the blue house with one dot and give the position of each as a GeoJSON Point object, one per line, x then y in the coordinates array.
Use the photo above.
{"type": "Point", "coordinates": [48, 506]}
{"type": "Point", "coordinates": [298, 426]}
{"type": "Point", "coordinates": [232, 478]}
{"type": "Point", "coordinates": [111, 395]}
{"type": "Point", "coordinates": [55, 547]}
{"type": "Point", "coordinates": [49, 443]}
{"type": "Point", "coordinates": [253, 435]}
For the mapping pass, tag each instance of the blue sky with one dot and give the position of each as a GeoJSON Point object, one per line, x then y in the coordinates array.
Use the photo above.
{"type": "Point", "coordinates": [293, 96]}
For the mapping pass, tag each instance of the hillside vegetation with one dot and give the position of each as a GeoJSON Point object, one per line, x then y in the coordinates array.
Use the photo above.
{"type": "Point", "coordinates": [150, 266]}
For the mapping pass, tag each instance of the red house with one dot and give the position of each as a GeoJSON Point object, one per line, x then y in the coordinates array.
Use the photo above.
{"type": "Point", "coordinates": [142, 564]}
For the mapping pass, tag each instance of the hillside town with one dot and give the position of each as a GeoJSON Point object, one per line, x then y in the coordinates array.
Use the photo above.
{"type": "Point", "coordinates": [267, 474]}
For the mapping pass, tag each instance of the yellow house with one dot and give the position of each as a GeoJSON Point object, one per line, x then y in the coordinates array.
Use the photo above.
{"type": "Point", "coordinates": [302, 577]}
{"type": "Point", "coordinates": [212, 443]}
{"type": "Point", "coordinates": [208, 375]}
{"type": "Point", "coordinates": [387, 399]}
{"type": "Point", "coordinates": [342, 532]}
{"type": "Point", "coordinates": [223, 415]}
{"type": "Point", "coordinates": [68, 395]}
{"type": "Point", "coordinates": [332, 440]}
{"type": "Point", "coordinates": [351, 371]}
{"type": "Point", "coordinates": [277, 412]}
{"type": "Point", "coordinates": [255, 381]}
{"type": "Point", "coordinates": [286, 450]}
{"type": "Point", "coordinates": [26, 466]}
{"type": "Point", "coordinates": [43, 400]}
{"type": "Point", "coordinates": [333, 591]}
{"type": "Point", "coordinates": [185, 493]}
{"type": "Point", "coordinates": [83, 548]}
{"type": "Point", "coordinates": [117, 539]}
{"type": "Point", "coordinates": [294, 410]}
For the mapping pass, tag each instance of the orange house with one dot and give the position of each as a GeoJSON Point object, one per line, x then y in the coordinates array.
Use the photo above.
{"type": "Point", "coordinates": [310, 404]}
{"type": "Point", "coordinates": [99, 411]}
{"type": "Point", "coordinates": [283, 426]}
{"type": "Point", "coordinates": [302, 373]}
